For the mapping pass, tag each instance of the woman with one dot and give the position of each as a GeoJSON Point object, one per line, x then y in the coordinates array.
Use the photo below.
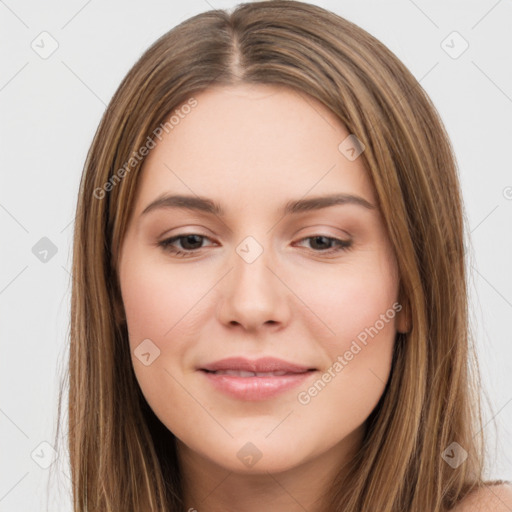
{"type": "Point", "coordinates": [269, 298]}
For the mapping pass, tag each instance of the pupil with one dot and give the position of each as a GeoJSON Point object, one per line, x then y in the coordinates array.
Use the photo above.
{"type": "Point", "coordinates": [317, 238]}
{"type": "Point", "coordinates": [190, 239]}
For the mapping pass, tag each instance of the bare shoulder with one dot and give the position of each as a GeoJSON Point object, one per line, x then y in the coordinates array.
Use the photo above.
{"type": "Point", "coordinates": [492, 498]}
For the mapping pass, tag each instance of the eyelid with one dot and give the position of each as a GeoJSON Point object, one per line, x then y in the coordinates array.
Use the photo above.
{"type": "Point", "coordinates": [173, 238]}
{"type": "Point", "coordinates": [193, 230]}
{"type": "Point", "coordinates": [323, 230]}
{"type": "Point", "coordinates": [189, 229]}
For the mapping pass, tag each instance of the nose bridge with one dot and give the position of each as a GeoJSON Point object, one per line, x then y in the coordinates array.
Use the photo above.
{"type": "Point", "coordinates": [251, 273]}
{"type": "Point", "coordinates": [254, 295]}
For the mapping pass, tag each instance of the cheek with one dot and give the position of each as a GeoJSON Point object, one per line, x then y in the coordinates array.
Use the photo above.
{"type": "Point", "coordinates": [358, 304]}
{"type": "Point", "coordinates": [367, 314]}
{"type": "Point", "coordinates": [159, 303]}
{"type": "Point", "coordinates": [350, 301]}
{"type": "Point", "coordinates": [148, 305]}
{"type": "Point", "coordinates": [358, 356]}
{"type": "Point", "coordinates": [164, 307]}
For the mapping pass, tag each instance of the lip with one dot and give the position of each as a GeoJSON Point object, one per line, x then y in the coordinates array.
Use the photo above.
{"type": "Point", "coordinates": [255, 387]}
{"type": "Point", "coordinates": [263, 364]}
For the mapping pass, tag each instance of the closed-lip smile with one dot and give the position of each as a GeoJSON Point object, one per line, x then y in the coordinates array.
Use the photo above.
{"type": "Point", "coordinates": [258, 379]}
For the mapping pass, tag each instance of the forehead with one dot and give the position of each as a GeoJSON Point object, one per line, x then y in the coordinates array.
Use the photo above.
{"type": "Point", "coordinates": [252, 143]}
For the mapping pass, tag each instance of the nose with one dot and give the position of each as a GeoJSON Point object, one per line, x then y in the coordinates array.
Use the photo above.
{"type": "Point", "coordinates": [253, 294]}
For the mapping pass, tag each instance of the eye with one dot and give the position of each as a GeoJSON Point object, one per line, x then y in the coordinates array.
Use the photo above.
{"type": "Point", "coordinates": [328, 244]}
{"type": "Point", "coordinates": [191, 243]}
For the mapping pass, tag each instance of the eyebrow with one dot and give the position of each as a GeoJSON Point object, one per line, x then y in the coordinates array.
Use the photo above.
{"type": "Point", "coordinates": [203, 204]}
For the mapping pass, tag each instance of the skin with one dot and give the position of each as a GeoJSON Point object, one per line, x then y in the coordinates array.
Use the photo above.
{"type": "Point", "coordinates": [493, 498]}
{"type": "Point", "coordinates": [252, 149]}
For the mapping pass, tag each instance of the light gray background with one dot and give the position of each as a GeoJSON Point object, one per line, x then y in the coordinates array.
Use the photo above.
{"type": "Point", "coordinates": [51, 107]}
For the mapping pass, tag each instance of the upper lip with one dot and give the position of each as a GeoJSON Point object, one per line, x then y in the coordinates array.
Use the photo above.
{"type": "Point", "coordinates": [264, 364]}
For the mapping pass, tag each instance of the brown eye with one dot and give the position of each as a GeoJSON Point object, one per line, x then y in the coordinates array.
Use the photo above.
{"type": "Point", "coordinates": [327, 244]}
{"type": "Point", "coordinates": [190, 243]}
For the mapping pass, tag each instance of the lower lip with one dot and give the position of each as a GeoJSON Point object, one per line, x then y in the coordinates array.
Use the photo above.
{"type": "Point", "coordinates": [255, 388]}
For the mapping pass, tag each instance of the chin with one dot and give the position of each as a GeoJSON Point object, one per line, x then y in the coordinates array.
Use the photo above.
{"type": "Point", "coordinates": [242, 456]}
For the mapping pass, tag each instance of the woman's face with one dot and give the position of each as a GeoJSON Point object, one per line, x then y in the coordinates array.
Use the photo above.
{"type": "Point", "coordinates": [272, 274]}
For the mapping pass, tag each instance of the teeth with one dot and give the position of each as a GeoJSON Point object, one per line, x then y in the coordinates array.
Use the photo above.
{"type": "Point", "coordinates": [241, 373]}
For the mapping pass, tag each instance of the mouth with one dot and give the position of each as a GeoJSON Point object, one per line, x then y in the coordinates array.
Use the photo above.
{"type": "Point", "coordinates": [258, 380]}
{"type": "Point", "coordinates": [244, 374]}
{"type": "Point", "coordinates": [269, 365]}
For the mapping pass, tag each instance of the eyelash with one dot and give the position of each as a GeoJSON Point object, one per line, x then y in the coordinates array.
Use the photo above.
{"type": "Point", "coordinates": [342, 245]}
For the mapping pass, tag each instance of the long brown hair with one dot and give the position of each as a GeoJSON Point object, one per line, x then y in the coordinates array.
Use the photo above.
{"type": "Point", "coordinates": [122, 457]}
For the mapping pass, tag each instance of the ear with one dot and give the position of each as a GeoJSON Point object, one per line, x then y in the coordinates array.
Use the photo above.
{"type": "Point", "coordinates": [403, 321]}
